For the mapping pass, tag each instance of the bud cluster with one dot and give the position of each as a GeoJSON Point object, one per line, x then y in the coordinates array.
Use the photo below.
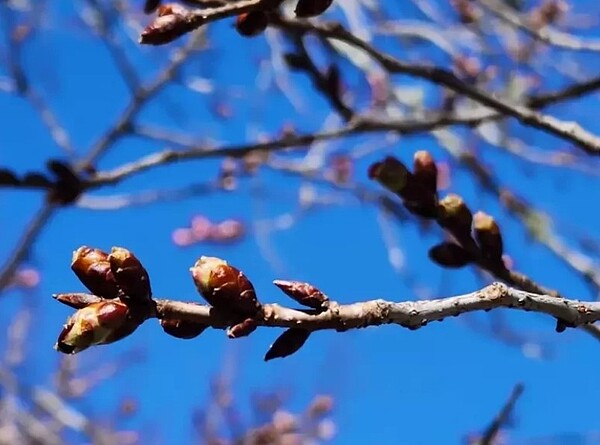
{"type": "Point", "coordinates": [121, 299]}
{"type": "Point", "coordinates": [417, 189]}
{"type": "Point", "coordinates": [475, 238]}
{"type": "Point", "coordinates": [202, 229]}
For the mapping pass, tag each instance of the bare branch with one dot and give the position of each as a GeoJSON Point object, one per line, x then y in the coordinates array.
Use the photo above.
{"type": "Point", "coordinates": [570, 131]}
{"type": "Point", "coordinates": [408, 314]}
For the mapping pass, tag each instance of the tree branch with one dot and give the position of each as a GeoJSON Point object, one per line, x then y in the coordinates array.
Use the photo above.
{"type": "Point", "coordinates": [410, 314]}
{"type": "Point", "coordinates": [570, 131]}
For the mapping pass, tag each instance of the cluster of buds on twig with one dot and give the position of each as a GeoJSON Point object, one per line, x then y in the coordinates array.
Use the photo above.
{"type": "Point", "coordinates": [174, 20]}
{"type": "Point", "coordinates": [121, 300]}
{"type": "Point", "coordinates": [203, 229]}
{"type": "Point", "coordinates": [417, 189]}
{"type": "Point", "coordinates": [474, 238]}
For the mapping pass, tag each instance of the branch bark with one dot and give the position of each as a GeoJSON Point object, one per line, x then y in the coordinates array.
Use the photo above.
{"type": "Point", "coordinates": [409, 314]}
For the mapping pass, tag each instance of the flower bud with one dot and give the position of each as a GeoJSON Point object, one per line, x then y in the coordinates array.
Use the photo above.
{"type": "Point", "coordinates": [455, 216]}
{"type": "Point", "coordinates": [224, 287]}
{"type": "Point", "coordinates": [287, 343]}
{"type": "Point", "coordinates": [131, 277]}
{"type": "Point", "coordinates": [97, 324]}
{"type": "Point", "coordinates": [488, 237]}
{"type": "Point", "coordinates": [77, 300]}
{"type": "Point", "coordinates": [449, 255]}
{"type": "Point", "coordinates": [184, 329]}
{"type": "Point", "coordinates": [243, 329]}
{"type": "Point", "coordinates": [250, 24]}
{"type": "Point", "coordinates": [92, 267]}
{"type": "Point", "coordinates": [172, 22]}
{"type": "Point", "coordinates": [425, 170]}
{"type": "Point", "coordinates": [304, 293]}
{"type": "Point", "coordinates": [391, 173]}
{"type": "Point", "coordinates": [311, 8]}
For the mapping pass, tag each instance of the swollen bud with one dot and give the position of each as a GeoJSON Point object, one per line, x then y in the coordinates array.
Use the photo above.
{"type": "Point", "coordinates": [183, 329]}
{"type": "Point", "coordinates": [97, 324]}
{"type": "Point", "coordinates": [172, 22]}
{"type": "Point", "coordinates": [425, 170]}
{"type": "Point", "coordinates": [250, 24]}
{"type": "Point", "coordinates": [449, 255]}
{"type": "Point", "coordinates": [488, 237]}
{"type": "Point", "coordinates": [311, 8]}
{"type": "Point", "coordinates": [131, 277]}
{"type": "Point", "coordinates": [92, 267]}
{"type": "Point", "coordinates": [391, 173]}
{"type": "Point", "coordinates": [287, 343]}
{"type": "Point", "coordinates": [224, 287]}
{"type": "Point", "coordinates": [455, 216]}
{"type": "Point", "coordinates": [304, 293]}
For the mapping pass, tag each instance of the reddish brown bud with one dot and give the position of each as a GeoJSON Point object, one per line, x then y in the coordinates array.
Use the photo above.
{"type": "Point", "coordinates": [287, 343]}
{"type": "Point", "coordinates": [77, 300]}
{"type": "Point", "coordinates": [250, 24]}
{"type": "Point", "coordinates": [449, 255]}
{"type": "Point", "coordinates": [304, 293]}
{"type": "Point", "coordinates": [391, 173]}
{"type": "Point", "coordinates": [311, 8]}
{"type": "Point", "coordinates": [455, 216]}
{"type": "Point", "coordinates": [488, 237]}
{"type": "Point", "coordinates": [224, 287]}
{"type": "Point", "coordinates": [97, 324]}
{"type": "Point", "coordinates": [172, 22]}
{"type": "Point", "coordinates": [183, 329]}
{"type": "Point", "coordinates": [131, 277]}
{"type": "Point", "coordinates": [92, 267]}
{"type": "Point", "coordinates": [243, 329]}
{"type": "Point", "coordinates": [425, 170]}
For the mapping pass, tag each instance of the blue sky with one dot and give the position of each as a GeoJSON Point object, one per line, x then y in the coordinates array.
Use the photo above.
{"type": "Point", "coordinates": [391, 386]}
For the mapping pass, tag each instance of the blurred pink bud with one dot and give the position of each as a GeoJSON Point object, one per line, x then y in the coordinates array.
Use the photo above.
{"type": "Point", "coordinates": [342, 168]}
{"type": "Point", "coordinates": [201, 228]}
{"type": "Point", "coordinates": [182, 237]}
{"type": "Point", "coordinates": [27, 278]}
{"type": "Point", "coordinates": [228, 230]}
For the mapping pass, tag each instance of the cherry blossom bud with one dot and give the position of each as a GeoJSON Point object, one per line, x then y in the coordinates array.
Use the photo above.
{"type": "Point", "coordinates": [449, 255]}
{"type": "Point", "coordinates": [455, 216]}
{"type": "Point", "coordinates": [172, 22]}
{"type": "Point", "coordinates": [131, 277]}
{"type": "Point", "coordinates": [92, 267]}
{"type": "Point", "coordinates": [304, 293]}
{"type": "Point", "coordinates": [287, 343]}
{"type": "Point", "coordinates": [97, 324]}
{"type": "Point", "coordinates": [391, 173]}
{"type": "Point", "coordinates": [183, 329]}
{"type": "Point", "coordinates": [488, 237]}
{"type": "Point", "coordinates": [425, 170]}
{"type": "Point", "coordinates": [224, 287]}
